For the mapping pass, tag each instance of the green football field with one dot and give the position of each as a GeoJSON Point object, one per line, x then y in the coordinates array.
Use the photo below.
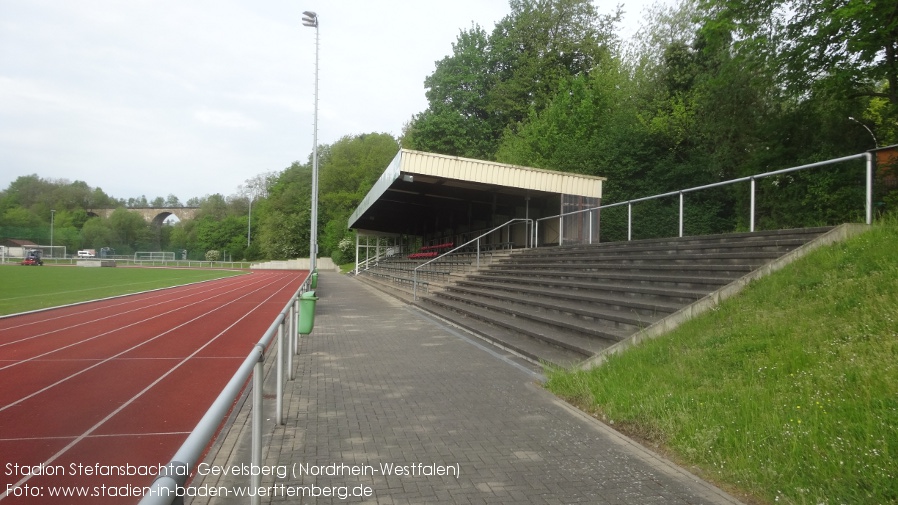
{"type": "Point", "coordinates": [30, 288]}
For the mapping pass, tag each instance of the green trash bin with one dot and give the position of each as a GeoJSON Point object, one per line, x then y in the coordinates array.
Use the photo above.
{"type": "Point", "coordinates": [314, 282]}
{"type": "Point", "coordinates": [307, 312]}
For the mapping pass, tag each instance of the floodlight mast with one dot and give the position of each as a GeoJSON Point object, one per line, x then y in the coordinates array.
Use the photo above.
{"type": "Point", "coordinates": [310, 19]}
{"type": "Point", "coordinates": [875, 142]}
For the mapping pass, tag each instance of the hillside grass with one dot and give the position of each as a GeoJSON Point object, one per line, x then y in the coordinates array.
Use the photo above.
{"type": "Point", "coordinates": [29, 288]}
{"type": "Point", "coordinates": [787, 393]}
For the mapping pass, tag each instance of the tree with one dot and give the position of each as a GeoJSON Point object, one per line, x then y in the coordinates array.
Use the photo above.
{"type": "Point", "coordinates": [213, 206]}
{"type": "Point", "coordinates": [97, 233]}
{"type": "Point", "coordinates": [348, 170]}
{"type": "Point", "coordinates": [220, 234]}
{"type": "Point", "coordinates": [491, 83]}
{"type": "Point", "coordinates": [459, 120]}
{"type": "Point", "coordinates": [845, 48]}
{"type": "Point", "coordinates": [541, 44]}
{"type": "Point", "coordinates": [283, 230]}
{"type": "Point", "coordinates": [129, 230]}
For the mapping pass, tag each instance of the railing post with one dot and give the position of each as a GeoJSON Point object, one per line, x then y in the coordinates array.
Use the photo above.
{"type": "Point", "coordinates": [590, 227]}
{"type": "Point", "coordinates": [629, 221]}
{"type": "Point", "coordinates": [681, 213]}
{"type": "Point", "coordinates": [294, 351]}
{"type": "Point", "coordinates": [478, 252]}
{"type": "Point", "coordinates": [280, 375]}
{"type": "Point", "coordinates": [869, 202]}
{"type": "Point", "coordinates": [533, 225]}
{"type": "Point", "coordinates": [256, 478]}
{"type": "Point", "coordinates": [751, 225]}
{"type": "Point", "coordinates": [288, 343]}
{"type": "Point", "coordinates": [561, 229]}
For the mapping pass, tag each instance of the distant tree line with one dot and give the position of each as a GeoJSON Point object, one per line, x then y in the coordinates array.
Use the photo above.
{"type": "Point", "coordinates": [708, 90]}
{"type": "Point", "coordinates": [281, 204]}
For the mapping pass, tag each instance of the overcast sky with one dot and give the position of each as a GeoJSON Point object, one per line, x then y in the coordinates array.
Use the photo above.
{"type": "Point", "coordinates": [193, 97]}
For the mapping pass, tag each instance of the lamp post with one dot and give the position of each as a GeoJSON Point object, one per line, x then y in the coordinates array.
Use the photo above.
{"type": "Point", "coordinates": [249, 220]}
{"type": "Point", "coordinates": [52, 219]}
{"type": "Point", "coordinates": [875, 142]}
{"type": "Point", "coordinates": [310, 19]}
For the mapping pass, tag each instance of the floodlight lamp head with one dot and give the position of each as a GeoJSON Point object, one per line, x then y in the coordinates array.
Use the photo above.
{"type": "Point", "coordinates": [310, 19]}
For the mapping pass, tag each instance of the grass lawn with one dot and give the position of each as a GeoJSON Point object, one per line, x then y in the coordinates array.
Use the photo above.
{"type": "Point", "coordinates": [787, 393]}
{"type": "Point", "coordinates": [29, 288]}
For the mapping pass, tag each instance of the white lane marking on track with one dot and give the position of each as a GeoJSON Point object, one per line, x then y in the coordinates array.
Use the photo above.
{"type": "Point", "coordinates": [111, 435]}
{"type": "Point", "coordinates": [134, 398]}
{"type": "Point", "coordinates": [106, 360]}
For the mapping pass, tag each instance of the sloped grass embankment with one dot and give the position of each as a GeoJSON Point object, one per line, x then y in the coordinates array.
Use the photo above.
{"type": "Point", "coordinates": [787, 393]}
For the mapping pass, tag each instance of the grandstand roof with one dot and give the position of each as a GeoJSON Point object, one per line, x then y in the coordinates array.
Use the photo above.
{"type": "Point", "coordinates": [420, 193]}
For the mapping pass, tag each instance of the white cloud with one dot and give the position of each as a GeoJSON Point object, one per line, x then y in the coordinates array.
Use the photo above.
{"type": "Point", "coordinates": [226, 119]}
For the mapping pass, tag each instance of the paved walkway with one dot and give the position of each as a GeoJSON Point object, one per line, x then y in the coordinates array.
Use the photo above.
{"type": "Point", "coordinates": [380, 383]}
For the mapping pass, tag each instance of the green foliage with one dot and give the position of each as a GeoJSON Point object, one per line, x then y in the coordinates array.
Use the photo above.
{"type": "Point", "coordinates": [218, 234]}
{"type": "Point", "coordinates": [129, 230]}
{"type": "Point", "coordinates": [19, 217]}
{"type": "Point", "coordinates": [96, 233]}
{"type": "Point", "coordinates": [787, 392]}
{"type": "Point", "coordinates": [710, 90]}
{"type": "Point", "coordinates": [348, 169]}
{"type": "Point", "coordinates": [284, 217]}
{"type": "Point", "coordinates": [491, 83]}
{"type": "Point", "coordinates": [285, 235]}
{"type": "Point", "coordinates": [30, 204]}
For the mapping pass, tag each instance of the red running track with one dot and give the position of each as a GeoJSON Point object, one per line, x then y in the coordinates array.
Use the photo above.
{"type": "Point", "coordinates": [93, 388]}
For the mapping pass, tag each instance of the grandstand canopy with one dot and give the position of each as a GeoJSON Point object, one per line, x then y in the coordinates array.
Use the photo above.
{"type": "Point", "coordinates": [426, 194]}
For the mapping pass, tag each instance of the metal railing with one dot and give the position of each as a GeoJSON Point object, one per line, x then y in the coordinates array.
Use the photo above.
{"type": "Point", "coordinates": [165, 489]}
{"type": "Point", "coordinates": [752, 179]}
{"type": "Point", "coordinates": [120, 261]}
{"type": "Point", "coordinates": [529, 240]}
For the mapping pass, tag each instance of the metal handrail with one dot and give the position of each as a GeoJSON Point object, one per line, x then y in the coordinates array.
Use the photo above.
{"type": "Point", "coordinates": [164, 490]}
{"type": "Point", "coordinates": [476, 239]}
{"type": "Point", "coordinates": [752, 178]}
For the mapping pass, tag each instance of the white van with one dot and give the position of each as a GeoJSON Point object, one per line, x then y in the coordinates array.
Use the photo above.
{"type": "Point", "coordinates": [87, 253]}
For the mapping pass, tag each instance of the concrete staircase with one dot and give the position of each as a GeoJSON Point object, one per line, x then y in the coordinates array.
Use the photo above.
{"type": "Point", "coordinates": [566, 305]}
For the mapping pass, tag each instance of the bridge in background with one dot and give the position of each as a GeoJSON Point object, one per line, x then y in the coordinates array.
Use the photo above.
{"type": "Point", "coordinates": [155, 215]}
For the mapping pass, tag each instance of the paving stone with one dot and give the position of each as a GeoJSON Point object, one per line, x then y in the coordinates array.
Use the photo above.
{"type": "Point", "coordinates": [379, 383]}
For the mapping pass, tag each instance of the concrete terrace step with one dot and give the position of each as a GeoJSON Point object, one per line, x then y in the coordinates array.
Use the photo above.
{"type": "Point", "coordinates": [600, 251]}
{"type": "Point", "coordinates": [540, 308]}
{"type": "Point", "coordinates": [693, 268]}
{"type": "Point", "coordinates": [587, 297]}
{"type": "Point", "coordinates": [523, 318]}
{"type": "Point", "coordinates": [563, 305]}
{"type": "Point", "coordinates": [681, 295]}
{"type": "Point", "coordinates": [684, 243]}
{"type": "Point", "coordinates": [605, 276]}
{"type": "Point", "coordinates": [535, 349]}
{"type": "Point", "coordinates": [571, 341]}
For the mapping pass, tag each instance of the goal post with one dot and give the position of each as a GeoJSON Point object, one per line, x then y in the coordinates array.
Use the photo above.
{"type": "Point", "coordinates": [154, 256]}
{"type": "Point", "coordinates": [49, 251]}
